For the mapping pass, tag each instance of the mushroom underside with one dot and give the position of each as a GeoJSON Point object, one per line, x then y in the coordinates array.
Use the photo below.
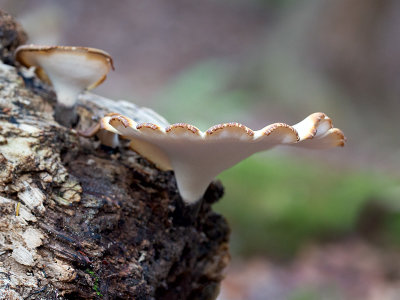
{"type": "Point", "coordinates": [70, 70]}
{"type": "Point", "coordinates": [197, 157]}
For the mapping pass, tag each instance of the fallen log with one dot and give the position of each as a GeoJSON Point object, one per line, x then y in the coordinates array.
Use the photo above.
{"type": "Point", "coordinates": [80, 221]}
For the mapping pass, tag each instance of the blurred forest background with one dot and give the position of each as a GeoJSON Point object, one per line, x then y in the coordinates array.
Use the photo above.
{"type": "Point", "coordinates": [305, 224]}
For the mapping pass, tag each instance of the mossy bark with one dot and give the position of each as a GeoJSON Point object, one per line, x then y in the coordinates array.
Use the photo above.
{"type": "Point", "coordinates": [78, 221]}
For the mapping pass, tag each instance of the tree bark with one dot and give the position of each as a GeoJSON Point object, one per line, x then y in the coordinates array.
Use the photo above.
{"type": "Point", "coordinates": [78, 221]}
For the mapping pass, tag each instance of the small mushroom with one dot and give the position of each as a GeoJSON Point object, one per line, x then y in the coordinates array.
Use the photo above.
{"type": "Point", "coordinates": [70, 70]}
{"type": "Point", "coordinates": [198, 157]}
{"type": "Point", "coordinates": [110, 139]}
{"type": "Point", "coordinates": [107, 138]}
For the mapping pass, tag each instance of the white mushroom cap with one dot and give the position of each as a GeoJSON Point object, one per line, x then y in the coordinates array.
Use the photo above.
{"type": "Point", "coordinates": [70, 70]}
{"type": "Point", "coordinates": [197, 157]}
{"type": "Point", "coordinates": [139, 114]}
{"type": "Point", "coordinates": [107, 138]}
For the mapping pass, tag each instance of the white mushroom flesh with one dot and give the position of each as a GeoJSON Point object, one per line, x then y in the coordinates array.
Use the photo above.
{"type": "Point", "coordinates": [70, 70]}
{"type": "Point", "coordinates": [197, 157]}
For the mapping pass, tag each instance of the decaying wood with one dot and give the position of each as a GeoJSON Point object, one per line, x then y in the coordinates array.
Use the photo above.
{"type": "Point", "coordinates": [78, 221]}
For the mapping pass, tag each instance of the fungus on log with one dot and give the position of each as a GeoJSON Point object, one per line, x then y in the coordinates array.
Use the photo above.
{"type": "Point", "coordinates": [139, 114]}
{"type": "Point", "coordinates": [70, 70]}
{"type": "Point", "coordinates": [77, 222]}
{"type": "Point", "coordinates": [197, 157]}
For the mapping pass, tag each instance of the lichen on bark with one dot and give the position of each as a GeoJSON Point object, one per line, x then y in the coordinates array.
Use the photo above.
{"type": "Point", "coordinates": [80, 222]}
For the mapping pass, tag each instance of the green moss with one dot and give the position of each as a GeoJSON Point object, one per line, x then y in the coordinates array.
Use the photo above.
{"type": "Point", "coordinates": [313, 293]}
{"type": "Point", "coordinates": [276, 204]}
{"type": "Point", "coordinates": [96, 286]}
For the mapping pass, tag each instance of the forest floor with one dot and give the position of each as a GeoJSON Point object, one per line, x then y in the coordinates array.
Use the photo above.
{"type": "Point", "coordinates": [345, 270]}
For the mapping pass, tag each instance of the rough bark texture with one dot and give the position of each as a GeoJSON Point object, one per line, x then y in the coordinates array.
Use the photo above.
{"type": "Point", "coordinates": [11, 35]}
{"type": "Point", "coordinates": [80, 222]}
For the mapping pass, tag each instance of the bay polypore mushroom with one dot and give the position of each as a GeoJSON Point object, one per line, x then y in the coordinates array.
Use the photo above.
{"type": "Point", "coordinates": [69, 69]}
{"type": "Point", "coordinates": [107, 138]}
{"type": "Point", "coordinates": [140, 114]}
{"type": "Point", "coordinates": [198, 157]}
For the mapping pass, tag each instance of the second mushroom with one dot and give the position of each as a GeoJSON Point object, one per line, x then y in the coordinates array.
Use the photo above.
{"type": "Point", "coordinates": [197, 157]}
{"type": "Point", "coordinates": [70, 70]}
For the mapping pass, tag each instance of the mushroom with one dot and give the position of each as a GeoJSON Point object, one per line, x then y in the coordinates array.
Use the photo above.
{"type": "Point", "coordinates": [139, 114]}
{"type": "Point", "coordinates": [70, 70]}
{"type": "Point", "coordinates": [198, 157]}
{"type": "Point", "coordinates": [107, 138]}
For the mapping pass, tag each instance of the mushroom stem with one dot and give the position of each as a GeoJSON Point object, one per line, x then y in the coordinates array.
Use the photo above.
{"type": "Point", "coordinates": [65, 109]}
{"type": "Point", "coordinates": [66, 115]}
{"type": "Point", "coordinates": [108, 139]}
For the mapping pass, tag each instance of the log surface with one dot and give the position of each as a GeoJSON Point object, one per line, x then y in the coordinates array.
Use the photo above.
{"type": "Point", "coordinates": [81, 222]}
